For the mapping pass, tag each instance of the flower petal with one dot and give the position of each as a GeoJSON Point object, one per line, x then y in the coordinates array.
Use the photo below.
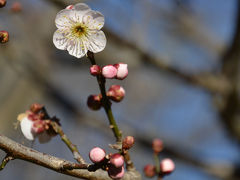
{"type": "Point", "coordinates": [97, 41]}
{"type": "Point", "coordinates": [78, 11]}
{"type": "Point", "coordinates": [26, 127]}
{"type": "Point", "coordinates": [81, 7]}
{"type": "Point", "coordinates": [94, 20]}
{"type": "Point", "coordinates": [63, 20]}
{"type": "Point", "coordinates": [60, 40]}
{"type": "Point", "coordinates": [77, 48]}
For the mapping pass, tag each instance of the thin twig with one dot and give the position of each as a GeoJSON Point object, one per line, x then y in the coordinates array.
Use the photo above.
{"type": "Point", "coordinates": [157, 163]}
{"type": "Point", "coordinates": [5, 161]}
{"type": "Point", "coordinates": [67, 141]}
{"type": "Point", "coordinates": [106, 103]}
{"type": "Point", "coordinates": [129, 164]}
{"type": "Point", "coordinates": [57, 128]}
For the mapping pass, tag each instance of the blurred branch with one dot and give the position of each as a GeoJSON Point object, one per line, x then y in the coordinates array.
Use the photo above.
{"type": "Point", "coordinates": [19, 151]}
{"type": "Point", "coordinates": [230, 68]}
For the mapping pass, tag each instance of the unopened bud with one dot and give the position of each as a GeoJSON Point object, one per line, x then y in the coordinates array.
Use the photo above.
{"type": "Point", "coordinates": [149, 170]}
{"type": "Point", "coordinates": [2, 3]}
{"type": "Point", "coordinates": [97, 155]}
{"type": "Point", "coordinates": [117, 160]}
{"type": "Point", "coordinates": [70, 7]}
{"type": "Point", "coordinates": [128, 142]}
{"type": "Point", "coordinates": [109, 71]}
{"type": "Point", "coordinates": [95, 70]}
{"type": "Point", "coordinates": [4, 37]}
{"type": "Point", "coordinates": [116, 93]}
{"type": "Point", "coordinates": [38, 126]}
{"type": "Point", "coordinates": [157, 145]}
{"type": "Point", "coordinates": [16, 7]}
{"type": "Point", "coordinates": [115, 173]}
{"type": "Point", "coordinates": [32, 116]}
{"type": "Point", "coordinates": [122, 70]}
{"type": "Point", "coordinates": [35, 108]}
{"type": "Point", "coordinates": [167, 166]}
{"type": "Point", "coordinates": [94, 102]}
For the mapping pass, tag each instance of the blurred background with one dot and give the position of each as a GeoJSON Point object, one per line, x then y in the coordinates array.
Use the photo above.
{"type": "Point", "coordinates": [182, 87]}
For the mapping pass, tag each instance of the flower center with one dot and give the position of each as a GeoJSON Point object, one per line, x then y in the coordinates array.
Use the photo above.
{"type": "Point", "coordinates": [79, 30]}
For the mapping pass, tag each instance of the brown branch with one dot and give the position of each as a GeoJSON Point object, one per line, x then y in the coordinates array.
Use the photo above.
{"type": "Point", "coordinates": [19, 151]}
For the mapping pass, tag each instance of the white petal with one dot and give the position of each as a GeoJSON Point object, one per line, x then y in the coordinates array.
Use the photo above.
{"type": "Point", "coordinates": [81, 7]}
{"type": "Point", "coordinates": [26, 127]}
{"type": "Point", "coordinates": [94, 20]}
{"type": "Point", "coordinates": [97, 41]}
{"type": "Point", "coordinates": [44, 137]}
{"type": "Point", "coordinates": [63, 19]}
{"type": "Point", "coordinates": [60, 40]}
{"type": "Point", "coordinates": [78, 11]}
{"type": "Point", "coordinates": [77, 48]}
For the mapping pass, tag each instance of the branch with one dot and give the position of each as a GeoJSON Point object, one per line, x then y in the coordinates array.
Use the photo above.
{"type": "Point", "coordinates": [230, 68]}
{"type": "Point", "coordinates": [18, 151]}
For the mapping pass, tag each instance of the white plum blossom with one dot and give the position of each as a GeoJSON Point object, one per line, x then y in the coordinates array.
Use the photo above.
{"type": "Point", "coordinates": [79, 30]}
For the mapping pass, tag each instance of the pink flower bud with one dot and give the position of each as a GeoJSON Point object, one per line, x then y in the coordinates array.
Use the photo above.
{"type": "Point", "coordinates": [117, 160]}
{"type": "Point", "coordinates": [94, 102]}
{"type": "Point", "coordinates": [35, 108]}
{"type": "Point", "coordinates": [2, 3]}
{"type": "Point", "coordinates": [70, 7]}
{"type": "Point", "coordinates": [116, 93]}
{"type": "Point", "coordinates": [97, 155]}
{"type": "Point", "coordinates": [4, 37]}
{"type": "Point", "coordinates": [32, 116]}
{"type": "Point", "coordinates": [95, 70]}
{"type": "Point", "coordinates": [149, 170]}
{"type": "Point", "coordinates": [167, 166]}
{"type": "Point", "coordinates": [109, 71]}
{"type": "Point", "coordinates": [128, 142]}
{"type": "Point", "coordinates": [16, 7]}
{"type": "Point", "coordinates": [38, 126]}
{"type": "Point", "coordinates": [122, 70]}
{"type": "Point", "coordinates": [157, 145]}
{"type": "Point", "coordinates": [115, 173]}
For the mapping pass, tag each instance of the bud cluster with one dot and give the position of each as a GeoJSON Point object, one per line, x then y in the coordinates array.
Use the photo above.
{"type": "Point", "coordinates": [117, 71]}
{"type": "Point", "coordinates": [115, 93]}
{"type": "Point", "coordinates": [165, 167]}
{"type": "Point", "coordinates": [112, 163]}
{"type": "Point", "coordinates": [35, 123]}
